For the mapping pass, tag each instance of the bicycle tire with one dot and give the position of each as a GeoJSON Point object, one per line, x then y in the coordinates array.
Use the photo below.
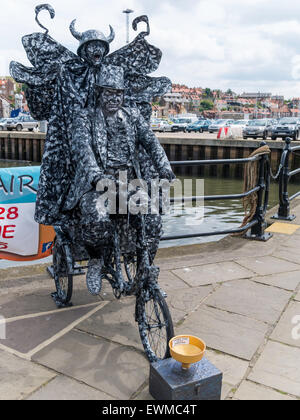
{"type": "Point", "coordinates": [62, 279]}
{"type": "Point", "coordinates": [156, 345]}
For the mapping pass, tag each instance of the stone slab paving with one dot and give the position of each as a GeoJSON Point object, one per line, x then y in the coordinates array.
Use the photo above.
{"type": "Point", "coordinates": [115, 322]}
{"type": "Point", "coordinates": [63, 388]}
{"type": "Point", "coordinates": [233, 370]}
{"type": "Point", "coordinates": [287, 281]}
{"type": "Point", "coordinates": [249, 391]}
{"type": "Point", "coordinates": [229, 333]}
{"type": "Point", "coordinates": [26, 334]}
{"type": "Point", "coordinates": [239, 296]}
{"type": "Point", "coordinates": [278, 367]}
{"type": "Point", "coordinates": [195, 255]}
{"type": "Point", "coordinates": [288, 329]}
{"type": "Point", "coordinates": [111, 368]}
{"type": "Point", "coordinates": [213, 273]}
{"type": "Point", "coordinates": [26, 296]}
{"type": "Point", "coordinates": [19, 378]}
{"type": "Point", "coordinates": [268, 265]}
{"type": "Point", "coordinates": [253, 300]}
{"type": "Point", "coordinates": [182, 302]}
{"type": "Point", "coordinates": [287, 253]}
{"type": "Point", "coordinates": [168, 281]}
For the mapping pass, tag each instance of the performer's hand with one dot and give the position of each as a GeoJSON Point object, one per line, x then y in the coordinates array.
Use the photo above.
{"type": "Point", "coordinates": [167, 174]}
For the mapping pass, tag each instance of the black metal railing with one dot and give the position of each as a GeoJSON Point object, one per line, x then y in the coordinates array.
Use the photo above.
{"type": "Point", "coordinates": [285, 174]}
{"type": "Point", "coordinates": [256, 227]}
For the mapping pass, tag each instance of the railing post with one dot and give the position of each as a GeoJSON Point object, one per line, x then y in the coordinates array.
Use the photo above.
{"type": "Point", "coordinates": [284, 201]}
{"type": "Point", "coordinates": [258, 231]}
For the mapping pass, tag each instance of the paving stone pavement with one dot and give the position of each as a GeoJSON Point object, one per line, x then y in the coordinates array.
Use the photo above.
{"type": "Point", "coordinates": [252, 391]}
{"type": "Point", "coordinates": [241, 297]}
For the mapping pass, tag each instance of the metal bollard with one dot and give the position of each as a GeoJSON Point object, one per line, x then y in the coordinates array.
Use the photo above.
{"type": "Point", "coordinates": [284, 202]}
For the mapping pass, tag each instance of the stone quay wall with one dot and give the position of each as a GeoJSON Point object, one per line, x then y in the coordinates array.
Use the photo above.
{"type": "Point", "coordinates": [27, 146]}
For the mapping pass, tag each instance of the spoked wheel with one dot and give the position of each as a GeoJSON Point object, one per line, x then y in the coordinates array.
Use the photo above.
{"type": "Point", "coordinates": [63, 280]}
{"type": "Point", "coordinates": [155, 326]}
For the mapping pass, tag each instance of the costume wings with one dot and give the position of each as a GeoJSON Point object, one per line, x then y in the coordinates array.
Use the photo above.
{"type": "Point", "coordinates": [48, 57]}
{"type": "Point", "coordinates": [61, 83]}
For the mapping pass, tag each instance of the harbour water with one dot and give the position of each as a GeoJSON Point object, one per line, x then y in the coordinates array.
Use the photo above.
{"type": "Point", "coordinates": [218, 215]}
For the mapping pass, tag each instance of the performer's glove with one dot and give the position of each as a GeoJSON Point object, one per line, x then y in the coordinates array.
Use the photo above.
{"type": "Point", "coordinates": [167, 174]}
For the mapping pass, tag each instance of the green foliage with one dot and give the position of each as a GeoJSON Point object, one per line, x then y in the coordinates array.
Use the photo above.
{"type": "Point", "coordinates": [206, 105]}
{"type": "Point", "coordinates": [207, 93]}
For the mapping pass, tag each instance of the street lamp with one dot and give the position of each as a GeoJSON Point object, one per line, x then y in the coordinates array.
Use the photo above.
{"type": "Point", "coordinates": [127, 12]}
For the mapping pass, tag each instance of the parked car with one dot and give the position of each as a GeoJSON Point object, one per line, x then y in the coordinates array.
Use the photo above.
{"type": "Point", "coordinates": [25, 122]}
{"type": "Point", "coordinates": [206, 125]}
{"type": "Point", "coordinates": [258, 128]}
{"type": "Point", "coordinates": [216, 125]}
{"type": "Point", "coordinates": [195, 127]}
{"type": "Point", "coordinates": [286, 127]}
{"type": "Point", "coordinates": [240, 123]}
{"type": "Point", "coordinates": [10, 124]}
{"type": "Point", "coordinates": [154, 123]}
{"type": "Point", "coordinates": [180, 124]}
{"type": "Point", "coordinates": [164, 126]}
{"type": "Point", "coordinates": [3, 125]}
{"type": "Point", "coordinates": [198, 126]}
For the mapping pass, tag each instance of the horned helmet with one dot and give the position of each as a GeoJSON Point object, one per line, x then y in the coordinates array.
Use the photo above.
{"type": "Point", "coordinates": [91, 35]}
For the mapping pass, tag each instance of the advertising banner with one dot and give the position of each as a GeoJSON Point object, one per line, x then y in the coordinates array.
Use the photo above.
{"type": "Point", "coordinates": [21, 238]}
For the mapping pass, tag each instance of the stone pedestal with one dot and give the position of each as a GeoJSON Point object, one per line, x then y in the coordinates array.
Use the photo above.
{"type": "Point", "coordinates": [168, 381]}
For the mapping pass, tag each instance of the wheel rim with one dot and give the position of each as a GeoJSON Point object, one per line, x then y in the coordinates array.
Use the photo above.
{"type": "Point", "coordinates": [155, 331]}
{"type": "Point", "coordinates": [63, 281]}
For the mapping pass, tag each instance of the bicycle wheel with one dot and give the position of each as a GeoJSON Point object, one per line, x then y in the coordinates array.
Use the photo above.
{"type": "Point", "coordinates": [62, 279]}
{"type": "Point", "coordinates": [155, 326]}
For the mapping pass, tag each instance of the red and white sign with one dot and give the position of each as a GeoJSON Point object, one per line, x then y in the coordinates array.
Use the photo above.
{"type": "Point", "coordinates": [21, 238]}
{"type": "Point", "coordinates": [17, 227]}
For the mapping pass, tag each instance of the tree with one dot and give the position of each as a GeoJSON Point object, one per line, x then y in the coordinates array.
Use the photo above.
{"type": "Point", "coordinates": [207, 93]}
{"type": "Point", "coordinates": [218, 93]}
{"type": "Point", "coordinates": [206, 105]}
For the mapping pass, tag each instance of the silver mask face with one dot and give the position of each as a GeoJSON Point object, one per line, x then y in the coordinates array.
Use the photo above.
{"type": "Point", "coordinates": [94, 52]}
{"type": "Point", "coordinates": [111, 100]}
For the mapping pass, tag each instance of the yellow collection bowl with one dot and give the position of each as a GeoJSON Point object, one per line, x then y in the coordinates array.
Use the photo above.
{"type": "Point", "coordinates": [187, 349]}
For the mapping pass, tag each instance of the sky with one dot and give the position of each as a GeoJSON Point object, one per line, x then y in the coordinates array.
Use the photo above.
{"type": "Point", "coordinates": [244, 45]}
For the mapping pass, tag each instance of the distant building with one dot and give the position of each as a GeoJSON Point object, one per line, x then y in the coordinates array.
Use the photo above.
{"type": "Point", "coordinates": [4, 107]}
{"type": "Point", "coordinates": [19, 101]}
{"type": "Point", "coordinates": [278, 98]}
{"type": "Point", "coordinates": [258, 95]}
{"type": "Point", "coordinates": [7, 87]}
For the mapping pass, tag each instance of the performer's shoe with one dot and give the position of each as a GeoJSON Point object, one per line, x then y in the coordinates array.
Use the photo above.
{"type": "Point", "coordinates": [94, 276]}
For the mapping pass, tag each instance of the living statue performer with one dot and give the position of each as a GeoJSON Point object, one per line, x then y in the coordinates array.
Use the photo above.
{"type": "Point", "coordinates": [61, 85]}
{"type": "Point", "coordinates": [61, 82]}
{"type": "Point", "coordinates": [105, 141]}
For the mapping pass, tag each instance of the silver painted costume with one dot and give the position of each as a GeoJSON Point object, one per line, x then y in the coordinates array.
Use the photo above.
{"type": "Point", "coordinates": [60, 83]}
